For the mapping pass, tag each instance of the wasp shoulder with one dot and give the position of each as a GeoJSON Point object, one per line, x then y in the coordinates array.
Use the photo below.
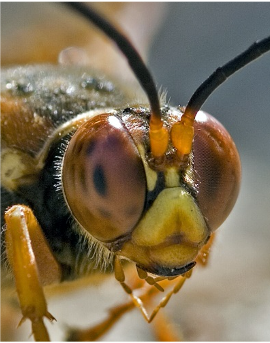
{"type": "Point", "coordinates": [36, 99]}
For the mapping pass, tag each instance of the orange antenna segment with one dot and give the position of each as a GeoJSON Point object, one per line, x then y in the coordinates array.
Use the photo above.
{"type": "Point", "coordinates": [182, 134]}
{"type": "Point", "coordinates": [159, 137]}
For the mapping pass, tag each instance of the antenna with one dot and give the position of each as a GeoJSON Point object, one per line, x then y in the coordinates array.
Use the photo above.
{"type": "Point", "coordinates": [159, 136]}
{"type": "Point", "coordinates": [223, 73]}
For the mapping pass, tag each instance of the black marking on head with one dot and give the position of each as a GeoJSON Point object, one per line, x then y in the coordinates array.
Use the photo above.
{"type": "Point", "coordinates": [99, 180]}
{"type": "Point", "coordinates": [164, 271]}
{"type": "Point", "coordinates": [152, 195]}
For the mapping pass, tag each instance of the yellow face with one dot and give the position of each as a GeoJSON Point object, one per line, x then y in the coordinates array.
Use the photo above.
{"type": "Point", "coordinates": [169, 236]}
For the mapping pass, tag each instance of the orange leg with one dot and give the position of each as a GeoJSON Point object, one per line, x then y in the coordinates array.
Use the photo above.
{"type": "Point", "coordinates": [21, 226]}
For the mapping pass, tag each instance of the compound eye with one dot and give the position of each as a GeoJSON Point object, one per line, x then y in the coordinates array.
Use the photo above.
{"type": "Point", "coordinates": [217, 169]}
{"type": "Point", "coordinates": [103, 178]}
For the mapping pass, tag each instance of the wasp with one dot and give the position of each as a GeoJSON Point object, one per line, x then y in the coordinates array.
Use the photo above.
{"type": "Point", "coordinates": [100, 182]}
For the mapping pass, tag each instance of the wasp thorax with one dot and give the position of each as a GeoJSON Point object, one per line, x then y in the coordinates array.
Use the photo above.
{"type": "Point", "coordinates": [103, 178]}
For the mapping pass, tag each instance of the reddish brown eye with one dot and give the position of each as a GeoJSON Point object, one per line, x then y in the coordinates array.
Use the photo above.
{"type": "Point", "coordinates": [104, 179]}
{"type": "Point", "coordinates": [217, 169]}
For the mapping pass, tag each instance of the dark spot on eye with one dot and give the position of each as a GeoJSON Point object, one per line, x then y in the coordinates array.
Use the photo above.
{"type": "Point", "coordinates": [99, 180]}
{"type": "Point", "coordinates": [104, 213]}
{"type": "Point", "coordinates": [90, 148]}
